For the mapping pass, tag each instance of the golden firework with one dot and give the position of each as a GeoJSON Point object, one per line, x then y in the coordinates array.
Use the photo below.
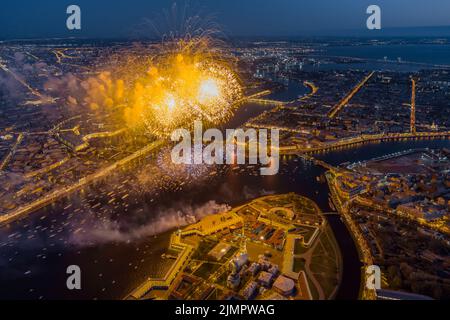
{"type": "Point", "coordinates": [181, 87]}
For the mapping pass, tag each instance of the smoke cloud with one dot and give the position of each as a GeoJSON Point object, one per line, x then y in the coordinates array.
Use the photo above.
{"type": "Point", "coordinates": [181, 214]}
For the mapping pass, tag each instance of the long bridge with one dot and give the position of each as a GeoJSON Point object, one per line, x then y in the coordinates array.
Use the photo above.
{"type": "Point", "coordinates": [300, 149]}
{"type": "Point", "coordinates": [318, 162]}
{"type": "Point", "coordinates": [266, 101]}
{"type": "Point", "coordinates": [259, 94]}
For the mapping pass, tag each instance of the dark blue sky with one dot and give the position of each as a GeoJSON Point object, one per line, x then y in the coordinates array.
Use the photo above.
{"type": "Point", "coordinates": [113, 19]}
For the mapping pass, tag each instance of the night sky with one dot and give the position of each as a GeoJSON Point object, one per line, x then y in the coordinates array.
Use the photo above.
{"type": "Point", "coordinates": [119, 19]}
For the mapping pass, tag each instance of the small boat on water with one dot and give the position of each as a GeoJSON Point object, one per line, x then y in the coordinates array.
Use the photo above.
{"type": "Point", "coordinates": [330, 202]}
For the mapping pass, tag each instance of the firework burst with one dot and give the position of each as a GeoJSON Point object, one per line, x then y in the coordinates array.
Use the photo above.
{"type": "Point", "coordinates": [180, 90]}
{"type": "Point", "coordinates": [190, 78]}
{"type": "Point", "coordinates": [158, 88]}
